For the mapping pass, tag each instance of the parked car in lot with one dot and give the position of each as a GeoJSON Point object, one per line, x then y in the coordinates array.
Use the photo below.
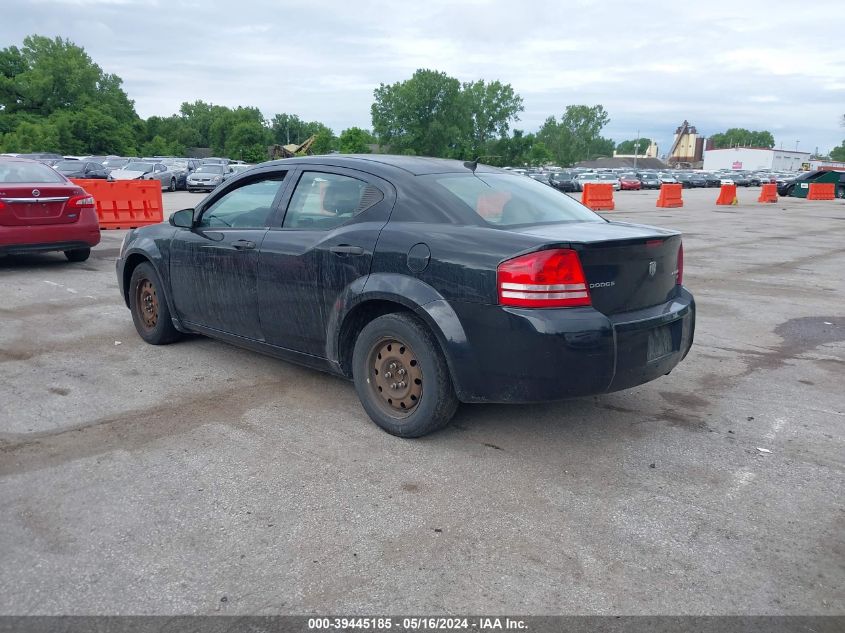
{"type": "Point", "coordinates": [41, 210]}
{"type": "Point", "coordinates": [563, 180]}
{"type": "Point", "coordinates": [181, 168]}
{"type": "Point", "coordinates": [146, 170]}
{"type": "Point", "coordinates": [425, 281]}
{"type": "Point", "coordinates": [712, 180]}
{"type": "Point", "coordinates": [81, 169]}
{"type": "Point", "coordinates": [740, 179]}
{"type": "Point", "coordinates": [214, 160]}
{"type": "Point", "coordinates": [112, 164]}
{"type": "Point", "coordinates": [605, 178]}
{"type": "Point", "coordinates": [649, 180]}
{"type": "Point", "coordinates": [207, 177]}
{"type": "Point", "coordinates": [630, 181]}
{"type": "Point", "coordinates": [238, 168]}
{"type": "Point", "coordinates": [43, 157]}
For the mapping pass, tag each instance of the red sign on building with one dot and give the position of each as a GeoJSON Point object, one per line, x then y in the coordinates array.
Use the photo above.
{"type": "Point", "coordinates": [737, 164]}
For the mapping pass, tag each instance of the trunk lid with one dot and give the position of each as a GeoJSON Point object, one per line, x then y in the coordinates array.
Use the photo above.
{"type": "Point", "coordinates": [627, 266]}
{"type": "Point", "coordinates": [28, 204]}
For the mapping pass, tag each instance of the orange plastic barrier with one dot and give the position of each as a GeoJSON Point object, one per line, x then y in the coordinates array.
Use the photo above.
{"type": "Point", "coordinates": [768, 193]}
{"type": "Point", "coordinates": [671, 196]}
{"type": "Point", "coordinates": [125, 204]}
{"type": "Point", "coordinates": [598, 197]}
{"type": "Point", "coordinates": [727, 195]}
{"type": "Point", "coordinates": [822, 191]}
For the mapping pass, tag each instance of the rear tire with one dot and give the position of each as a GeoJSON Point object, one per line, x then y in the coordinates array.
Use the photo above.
{"type": "Point", "coordinates": [78, 254]}
{"type": "Point", "coordinates": [148, 305]}
{"type": "Point", "coordinates": [401, 376]}
{"type": "Point", "coordinates": [840, 192]}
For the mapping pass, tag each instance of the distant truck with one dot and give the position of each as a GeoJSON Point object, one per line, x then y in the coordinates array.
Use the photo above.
{"type": "Point", "coordinates": [799, 186]}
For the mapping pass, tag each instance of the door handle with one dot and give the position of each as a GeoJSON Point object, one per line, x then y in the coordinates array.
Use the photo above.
{"type": "Point", "coordinates": [346, 249]}
{"type": "Point", "coordinates": [243, 245]}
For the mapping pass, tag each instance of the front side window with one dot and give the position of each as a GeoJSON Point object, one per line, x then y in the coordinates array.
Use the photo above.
{"type": "Point", "coordinates": [323, 201]}
{"type": "Point", "coordinates": [504, 200]}
{"type": "Point", "coordinates": [250, 206]}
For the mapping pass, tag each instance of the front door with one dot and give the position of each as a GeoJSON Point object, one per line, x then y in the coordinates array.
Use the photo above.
{"type": "Point", "coordinates": [324, 245]}
{"type": "Point", "coordinates": [214, 266]}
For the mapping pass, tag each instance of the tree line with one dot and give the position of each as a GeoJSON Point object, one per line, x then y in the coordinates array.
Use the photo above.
{"type": "Point", "coordinates": [53, 97]}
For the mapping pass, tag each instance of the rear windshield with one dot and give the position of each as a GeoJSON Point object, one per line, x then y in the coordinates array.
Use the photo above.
{"type": "Point", "coordinates": [68, 165]}
{"type": "Point", "coordinates": [505, 200]}
{"type": "Point", "coordinates": [144, 167]}
{"type": "Point", "coordinates": [15, 171]}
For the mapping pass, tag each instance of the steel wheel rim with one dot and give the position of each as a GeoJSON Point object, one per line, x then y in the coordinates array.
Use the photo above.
{"type": "Point", "coordinates": [395, 377]}
{"type": "Point", "coordinates": [147, 304]}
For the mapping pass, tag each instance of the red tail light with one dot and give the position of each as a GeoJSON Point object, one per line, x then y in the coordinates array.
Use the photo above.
{"type": "Point", "coordinates": [679, 279]}
{"type": "Point", "coordinates": [544, 279]}
{"type": "Point", "coordinates": [85, 200]}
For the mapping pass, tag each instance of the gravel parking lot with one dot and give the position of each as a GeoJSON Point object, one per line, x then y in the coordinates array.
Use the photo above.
{"type": "Point", "coordinates": [200, 478]}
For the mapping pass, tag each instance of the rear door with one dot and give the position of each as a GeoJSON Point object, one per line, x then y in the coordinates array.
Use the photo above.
{"type": "Point", "coordinates": [325, 243]}
{"type": "Point", "coordinates": [214, 266]}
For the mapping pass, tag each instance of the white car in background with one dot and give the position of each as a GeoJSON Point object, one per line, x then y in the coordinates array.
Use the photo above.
{"type": "Point", "coordinates": [146, 170]}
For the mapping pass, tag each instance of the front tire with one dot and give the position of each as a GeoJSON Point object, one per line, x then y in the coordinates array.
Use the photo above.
{"type": "Point", "coordinates": [401, 376]}
{"type": "Point", "coordinates": [149, 307]}
{"type": "Point", "coordinates": [840, 192]}
{"type": "Point", "coordinates": [78, 254]}
{"type": "Point", "coordinates": [172, 185]}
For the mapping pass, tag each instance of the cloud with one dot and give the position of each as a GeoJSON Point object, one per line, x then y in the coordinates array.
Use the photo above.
{"type": "Point", "coordinates": [651, 65]}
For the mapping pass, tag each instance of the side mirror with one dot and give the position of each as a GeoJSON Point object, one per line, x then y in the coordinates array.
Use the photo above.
{"type": "Point", "coordinates": [183, 219]}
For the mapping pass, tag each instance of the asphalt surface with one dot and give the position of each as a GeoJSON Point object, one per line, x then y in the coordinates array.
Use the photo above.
{"type": "Point", "coordinates": [200, 478]}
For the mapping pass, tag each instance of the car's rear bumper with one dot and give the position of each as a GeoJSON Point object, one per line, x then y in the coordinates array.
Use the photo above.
{"type": "Point", "coordinates": [85, 232]}
{"type": "Point", "coordinates": [535, 355]}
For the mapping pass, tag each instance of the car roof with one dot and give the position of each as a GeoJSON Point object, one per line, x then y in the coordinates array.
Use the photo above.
{"type": "Point", "coordinates": [415, 165]}
{"type": "Point", "coordinates": [19, 159]}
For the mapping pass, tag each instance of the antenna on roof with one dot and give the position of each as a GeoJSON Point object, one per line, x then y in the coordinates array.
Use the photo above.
{"type": "Point", "coordinates": [472, 165]}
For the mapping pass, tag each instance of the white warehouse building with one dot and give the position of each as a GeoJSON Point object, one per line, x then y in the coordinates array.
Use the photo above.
{"type": "Point", "coordinates": [754, 158]}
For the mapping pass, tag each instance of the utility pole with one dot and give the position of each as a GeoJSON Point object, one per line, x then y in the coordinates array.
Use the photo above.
{"type": "Point", "coordinates": [796, 144]}
{"type": "Point", "coordinates": [636, 149]}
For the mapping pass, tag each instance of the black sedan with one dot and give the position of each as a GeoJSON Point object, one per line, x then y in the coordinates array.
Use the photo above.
{"type": "Point", "coordinates": [563, 181]}
{"type": "Point", "coordinates": [81, 169]}
{"type": "Point", "coordinates": [427, 282]}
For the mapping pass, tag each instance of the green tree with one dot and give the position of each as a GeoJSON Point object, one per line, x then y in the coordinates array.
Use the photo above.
{"type": "Point", "coordinates": [248, 141]}
{"type": "Point", "coordinates": [288, 129]}
{"type": "Point", "coordinates": [838, 153]}
{"type": "Point", "coordinates": [354, 140]}
{"type": "Point", "coordinates": [54, 97]}
{"type": "Point", "coordinates": [577, 136]}
{"type": "Point", "coordinates": [737, 136]}
{"type": "Point", "coordinates": [325, 142]}
{"type": "Point", "coordinates": [638, 146]}
{"type": "Point", "coordinates": [491, 107]}
{"type": "Point", "coordinates": [424, 115]}
{"type": "Point", "coordinates": [539, 155]}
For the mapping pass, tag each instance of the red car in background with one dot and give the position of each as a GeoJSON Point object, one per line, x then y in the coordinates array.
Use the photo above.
{"type": "Point", "coordinates": [41, 210]}
{"type": "Point", "coordinates": [630, 181]}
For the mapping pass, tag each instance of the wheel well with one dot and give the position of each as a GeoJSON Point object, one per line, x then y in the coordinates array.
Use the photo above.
{"type": "Point", "coordinates": [355, 321]}
{"type": "Point", "coordinates": [132, 262]}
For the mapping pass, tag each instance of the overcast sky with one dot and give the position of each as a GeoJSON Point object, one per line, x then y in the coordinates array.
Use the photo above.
{"type": "Point", "coordinates": [760, 64]}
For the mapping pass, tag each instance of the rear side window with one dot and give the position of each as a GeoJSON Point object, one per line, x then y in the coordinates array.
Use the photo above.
{"type": "Point", "coordinates": [505, 200]}
{"type": "Point", "coordinates": [322, 201]}
{"type": "Point", "coordinates": [14, 171]}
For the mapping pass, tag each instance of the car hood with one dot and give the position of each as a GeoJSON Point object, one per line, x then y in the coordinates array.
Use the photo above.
{"type": "Point", "coordinates": [123, 174]}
